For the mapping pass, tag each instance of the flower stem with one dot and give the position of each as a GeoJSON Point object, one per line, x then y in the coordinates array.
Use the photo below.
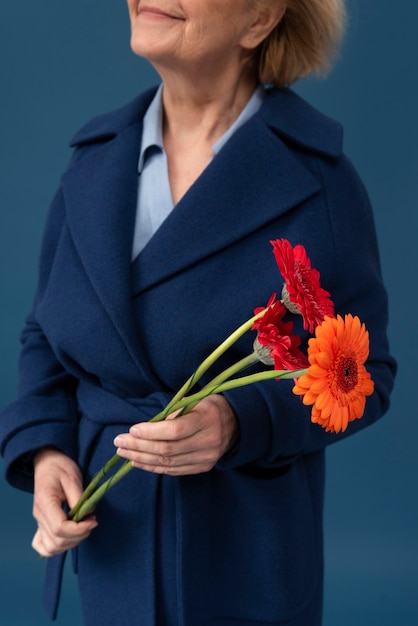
{"type": "Point", "coordinates": [217, 385]}
{"type": "Point", "coordinates": [93, 484]}
{"type": "Point", "coordinates": [230, 371]}
{"type": "Point", "coordinates": [92, 494]}
{"type": "Point", "coordinates": [90, 502]}
{"type": "Point", "coordinates": [206, 364]}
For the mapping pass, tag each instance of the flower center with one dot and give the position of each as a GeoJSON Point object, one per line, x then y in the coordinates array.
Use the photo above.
{"type": "Point", "coordinates": [347, 373]}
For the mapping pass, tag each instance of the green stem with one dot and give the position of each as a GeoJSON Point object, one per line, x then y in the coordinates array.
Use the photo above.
{"type": "Point", "coordinates": [223, 347]}
{"type": "Point", "coordinates": [206, 364]}
{"type": "Point", "coordinates": [215, 386]}
{"type": "Point", "coordinates": [242, 381]}
{"type": "Point", "coordinates": [90, 502]}
{"type": "Point", "coordinates": [93, 484]}
{"type": "Point", "coordinates": [184, 402]}
{"type": "Point", "coordinates": [247, 361]}
{"type": "Point", "coordinates": [174, 404]}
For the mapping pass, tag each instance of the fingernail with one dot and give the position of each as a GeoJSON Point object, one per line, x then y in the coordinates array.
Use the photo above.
{"type": "Point", "coordinates": [119, 441]}
{"type": "Point", "coordinates": [135, 431]}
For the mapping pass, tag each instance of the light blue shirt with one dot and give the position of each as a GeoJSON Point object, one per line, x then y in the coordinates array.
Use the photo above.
{"type": "Point", "coordinates": [154, 195]}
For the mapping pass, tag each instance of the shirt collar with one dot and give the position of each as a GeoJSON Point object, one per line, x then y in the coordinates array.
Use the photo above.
{"type": "Point", "coordinates": [152, 135]}
{"type": "Point", "coordinates": [288, 115]}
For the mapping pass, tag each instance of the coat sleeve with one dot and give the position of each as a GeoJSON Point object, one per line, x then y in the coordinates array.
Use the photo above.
{"type": "Point", "coordinates": [45, 412]}
{"type": "Point", "coordinates": [275, 426]}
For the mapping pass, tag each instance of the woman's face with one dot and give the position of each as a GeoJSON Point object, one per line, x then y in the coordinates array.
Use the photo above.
{"type": "Point", "coordinates": [196, 32]}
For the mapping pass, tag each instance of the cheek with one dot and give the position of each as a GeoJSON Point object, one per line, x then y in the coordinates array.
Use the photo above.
{"type": "Point", "coordinates": [219, 29]}
{"type": "Point", "coordinates": [195, 31]}
{"type": "Point", "coordinates": [208, 34]}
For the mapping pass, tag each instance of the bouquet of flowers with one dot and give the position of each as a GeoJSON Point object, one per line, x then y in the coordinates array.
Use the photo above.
{"type": "Point", "coordinates": [331, 377]}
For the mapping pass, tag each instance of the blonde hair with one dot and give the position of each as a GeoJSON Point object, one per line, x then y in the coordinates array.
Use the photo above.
{"type": "Point", "coordinates": [305, 41]}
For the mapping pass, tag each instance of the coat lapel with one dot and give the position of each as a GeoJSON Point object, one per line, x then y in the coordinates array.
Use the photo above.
{"type": "Point", "coordinates": [254, 179]}
{"type": "Point", "coordinates": [241, 190]}
{"type": "Point", "coordinates": [100, 193]}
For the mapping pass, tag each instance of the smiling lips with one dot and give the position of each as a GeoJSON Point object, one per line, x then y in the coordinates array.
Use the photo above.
{"type": "Point", "coordinates": [156, 12]}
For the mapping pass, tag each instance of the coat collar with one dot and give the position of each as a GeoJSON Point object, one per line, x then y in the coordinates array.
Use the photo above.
{"type": "Point", "coordinates": [100, 191]}
{"type": "Point", "coordinates": [256, 177]}
{"type": "Point", "coordinates": [242, 188]}
{"type": "Point", "coordinates": [283, 111]}
{"type": "Point", "coordinates": [252, 181]}
{"type": "Point", "coordinates": [296, 120]}
{"type": "Point", "coordinates": [107, 126]}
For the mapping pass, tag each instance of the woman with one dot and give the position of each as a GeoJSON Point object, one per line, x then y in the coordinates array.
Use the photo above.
{"type": "Point", "coordinates": [156, 247]}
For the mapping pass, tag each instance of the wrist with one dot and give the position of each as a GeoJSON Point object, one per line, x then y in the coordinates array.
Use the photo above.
{"type": "Point", "coordinates": [45, 453]}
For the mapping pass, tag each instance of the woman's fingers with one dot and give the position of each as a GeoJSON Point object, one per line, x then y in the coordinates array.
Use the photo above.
{"type": "Point", "coordinates": [67, 536]}
{"type": "Point", "coordinates": [190, 444]}
{"type": "Point", "coordinates": [57, 481]}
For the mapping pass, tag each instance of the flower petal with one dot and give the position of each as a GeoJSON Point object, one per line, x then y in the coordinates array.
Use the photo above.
{"type": "Point", "coordinates": [337, 381]}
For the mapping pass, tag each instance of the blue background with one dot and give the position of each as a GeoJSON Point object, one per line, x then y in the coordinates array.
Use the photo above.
{"type": "Point", "coordinates": [62, 63]}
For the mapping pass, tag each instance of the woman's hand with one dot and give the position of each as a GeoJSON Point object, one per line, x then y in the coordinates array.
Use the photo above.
{"type": "Point", "coordinates": [57, 480]}
{"type": "Point", "coordinates": [190, 444]}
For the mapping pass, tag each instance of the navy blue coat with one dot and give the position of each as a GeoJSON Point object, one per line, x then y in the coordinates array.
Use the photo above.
{"type": "Point", "coordinates": [107, 344]}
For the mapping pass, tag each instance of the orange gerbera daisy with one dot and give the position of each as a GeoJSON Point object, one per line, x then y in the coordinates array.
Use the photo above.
{"type": "Point", "coordinates": [337, 382]}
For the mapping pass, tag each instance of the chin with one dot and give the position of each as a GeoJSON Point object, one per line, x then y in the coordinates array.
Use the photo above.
{"type": "Point", "coordinates": [143, 44]}
{"type": "Point", "coordinates": [147, 43]}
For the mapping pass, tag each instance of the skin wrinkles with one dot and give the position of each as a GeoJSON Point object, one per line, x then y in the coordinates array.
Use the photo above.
{"type": "Point", "coordinates": [201, 32]}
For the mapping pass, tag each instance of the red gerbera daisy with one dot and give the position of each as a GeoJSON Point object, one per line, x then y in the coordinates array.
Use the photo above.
{"type": "Point", "coordinates": [275, 343]}
{"type": "Point", "coordinates": [302, 292]}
